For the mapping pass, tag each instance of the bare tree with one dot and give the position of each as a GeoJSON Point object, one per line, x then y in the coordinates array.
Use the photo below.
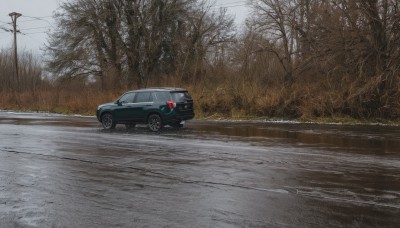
{"type": "Point", "coordinates": [7, 82]}
{"type": "Point", "coordinates": [208, 33]}
{"type": "Point", "coordinates": [254, 63]}
{"type": "Point", "coordinates": [275, 19]}
{"type": "Point", "coordinates": [86, 42]}
{"type": "Point", "coordinates": [335, 42]}
{"type": "Point", "coordinates": [30, 72]}
{"type": "Point", "coordinates": [130, 42]}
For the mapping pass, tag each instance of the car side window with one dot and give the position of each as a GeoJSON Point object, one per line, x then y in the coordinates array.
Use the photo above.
{"type": "Point", "coordinates": [127, 98]}
{"type": "Point", "coordinates": [143, 97]}
{"type": "Point", "coordinates": [161, 96]}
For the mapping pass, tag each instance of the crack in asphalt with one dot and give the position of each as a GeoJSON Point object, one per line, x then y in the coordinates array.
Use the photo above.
{"type": "Point", "coordinates": [284, 190]}
{"type": "Point", "coordinates": [167, 176]}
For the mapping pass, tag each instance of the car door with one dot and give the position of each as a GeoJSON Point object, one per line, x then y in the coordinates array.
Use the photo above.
{"type": "Point", "coordinates": [125, 109]}
{"type": "Point", "coordinates": [142, 102]}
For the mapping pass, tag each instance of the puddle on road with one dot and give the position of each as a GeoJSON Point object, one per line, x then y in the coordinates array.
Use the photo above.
{"type": "Point", "coordinates": [383, 140]}
{"type": "Point", "coordinates": [40, 119]}
{"type": "Point", "coordinates": [374, 139]}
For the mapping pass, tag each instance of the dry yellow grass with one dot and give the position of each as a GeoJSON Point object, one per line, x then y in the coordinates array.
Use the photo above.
{"type": "Point", "coordinates": [229, 98]}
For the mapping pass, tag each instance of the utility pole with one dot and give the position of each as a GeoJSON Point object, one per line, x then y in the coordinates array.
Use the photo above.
{"type": "Point", "coordinates": [14, 17]}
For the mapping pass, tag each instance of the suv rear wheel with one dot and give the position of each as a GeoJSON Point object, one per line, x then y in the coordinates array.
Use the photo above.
{"type": "Point", "coordinates": [154, 122]}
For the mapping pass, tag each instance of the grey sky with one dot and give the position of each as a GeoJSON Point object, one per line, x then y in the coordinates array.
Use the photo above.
{"type": "Point", "coordinates": [35, 30]}
{"type": "Point", "coordinates": [36, 20]}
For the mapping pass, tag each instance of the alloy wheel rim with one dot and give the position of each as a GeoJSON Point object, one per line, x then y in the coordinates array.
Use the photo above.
{"type": "Point", "coordinates": [154, 124]}
{"type": "Point", "coordinates": [107, 121]}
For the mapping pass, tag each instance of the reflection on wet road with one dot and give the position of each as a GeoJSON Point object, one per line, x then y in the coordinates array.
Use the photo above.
{"type": "Point", "coordinates": [58, 171]}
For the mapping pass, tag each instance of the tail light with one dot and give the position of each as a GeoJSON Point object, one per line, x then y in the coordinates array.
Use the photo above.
{"type": "Point", "coordinates": [171, 105]}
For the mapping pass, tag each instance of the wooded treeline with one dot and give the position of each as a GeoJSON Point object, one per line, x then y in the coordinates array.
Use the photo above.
{"type": "Point", "coordinates": [349, 48]}
{"type": "Point", "coordinates": [30, 79]}
{"type": "Point", "coordinates": [293, 58]}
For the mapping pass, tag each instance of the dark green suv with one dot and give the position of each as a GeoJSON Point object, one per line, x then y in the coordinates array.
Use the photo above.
{"type": "Point", "coordinates": [153, 106]}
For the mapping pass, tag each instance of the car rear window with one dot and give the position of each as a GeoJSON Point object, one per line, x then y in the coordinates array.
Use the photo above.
{"type": "Point", "coordinates": [180, 96]}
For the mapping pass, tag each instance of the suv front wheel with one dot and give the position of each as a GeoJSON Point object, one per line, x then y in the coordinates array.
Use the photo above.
{"type": "Point", "coordinates": [154, 122]}
{"type": "Point", "coordinates": [107, 120]}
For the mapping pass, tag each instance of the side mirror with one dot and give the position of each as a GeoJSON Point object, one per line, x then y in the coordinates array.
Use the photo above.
{"type": "Point", "coordinates": [118, 103]}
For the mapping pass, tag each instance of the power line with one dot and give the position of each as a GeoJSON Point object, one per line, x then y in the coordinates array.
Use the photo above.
{"type": "Point", "coordinates": [41, 19]}
{"type": "Point", "coordinates": [34, 32]}
{"type": "Point", "coordinates": [6, 29]}
{"type": "Point", "coordinates": [38, 18]}
{"type": "Point", "coordinates": [36, 28]}
{"type": "Point", "coordinates": [8, 23]}
{"type": "Point", "coordinates": [29, 33]}
{"type": "Point", "coordinates": [34, 39]}
{"type": "Point", "coordinates": [31, 20]}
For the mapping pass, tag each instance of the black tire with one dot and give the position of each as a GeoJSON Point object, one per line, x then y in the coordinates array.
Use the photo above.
{"type": "Point", "coordinates": [107, 120]}
{"type": "Point", "coordinates": [130, 126]}
{"type": "Point", "coordinates": [154, 123]}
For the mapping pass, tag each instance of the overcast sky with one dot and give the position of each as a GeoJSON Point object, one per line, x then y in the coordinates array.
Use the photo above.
{"type": "Point", "coordinates": [36, 20]}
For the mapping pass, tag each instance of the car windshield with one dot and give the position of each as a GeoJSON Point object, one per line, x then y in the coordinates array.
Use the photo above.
{"type": "Point", "coordinates": [181, 96]}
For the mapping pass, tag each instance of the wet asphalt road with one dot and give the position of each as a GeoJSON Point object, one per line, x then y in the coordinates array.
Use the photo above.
{"type": "Point", "coordinates": [60, 171]}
